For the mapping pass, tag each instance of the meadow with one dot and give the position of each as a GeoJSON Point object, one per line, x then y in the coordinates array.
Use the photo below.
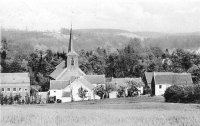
{"type": "Point", "coordinates": [137, 111]}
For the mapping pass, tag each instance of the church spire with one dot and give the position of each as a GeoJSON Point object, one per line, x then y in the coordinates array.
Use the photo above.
{"type": "Point", "coordinates": [70, 48]}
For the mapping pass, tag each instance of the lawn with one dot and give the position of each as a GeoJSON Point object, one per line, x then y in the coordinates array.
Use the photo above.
{"type": "Point", "coordinates": [139, 111]}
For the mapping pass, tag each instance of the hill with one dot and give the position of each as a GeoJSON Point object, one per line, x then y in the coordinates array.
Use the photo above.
{"type": "Point", "coordinates": [89, 39]}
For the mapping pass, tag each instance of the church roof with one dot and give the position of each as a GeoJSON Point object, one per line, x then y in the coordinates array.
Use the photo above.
{"type": "Point", "coordinates": [96, 79]}
{"type": "Point", "coordinates": [14, 78]}
{"type": "Point", "coordinates": [59, 69]}
{"type": "Point", "coordinates": [58, 85]}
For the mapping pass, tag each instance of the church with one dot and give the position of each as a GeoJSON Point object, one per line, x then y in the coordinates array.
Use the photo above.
{"type": "Point", "coordinates": [68, 80]}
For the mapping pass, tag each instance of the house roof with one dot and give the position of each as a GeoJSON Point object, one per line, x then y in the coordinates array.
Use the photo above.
{"type": "Point", "coordinates": [58, 85]}
{"type": "Point", "coordinates": [172, 78]}
{"type": "Point", "coordinates": [14, 78]}
{"type": "Point", "coordinates": [148, 76]}
{"type": "Point", "coordinates": [95, 79]}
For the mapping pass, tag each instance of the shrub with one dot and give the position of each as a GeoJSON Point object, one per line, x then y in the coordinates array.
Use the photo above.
{"type": "Point", "coordinates": [187, 94]}
{"type": "Point", "coordinates": [174, 94]}
{"type": "Point", "coordinates": [121, 92]}
{"type": "Point", "coordinates": [197, 93]}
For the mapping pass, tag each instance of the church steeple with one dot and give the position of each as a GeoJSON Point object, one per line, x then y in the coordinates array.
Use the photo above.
{"type": "Point", "coordinates": [70, 48]}
{"type": "Point", "coordinates": [72, 56]}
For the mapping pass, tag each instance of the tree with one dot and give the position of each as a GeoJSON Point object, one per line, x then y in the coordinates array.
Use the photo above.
{"type": "Point", "coordinates": [157, 52]}
{"type": "Point", "coordinates": [82, 93]}
{"type": "Point", "coordinates": [3, 49]}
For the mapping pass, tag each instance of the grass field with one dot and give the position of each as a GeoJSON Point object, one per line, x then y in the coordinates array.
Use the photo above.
{"type": "Point", "coordinates": [139, 111]}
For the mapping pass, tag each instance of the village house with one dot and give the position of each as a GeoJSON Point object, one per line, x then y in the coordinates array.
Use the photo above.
{"type": "Point", "coordinates": [162, 80]}
{"type": "Point", "coordinates": [15, 84]}
{"type": "Point", "coordinates": [68, 78]}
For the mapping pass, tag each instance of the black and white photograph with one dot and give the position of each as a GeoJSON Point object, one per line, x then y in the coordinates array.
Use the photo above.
{"type": "Point", "coordinates": [100, 62]}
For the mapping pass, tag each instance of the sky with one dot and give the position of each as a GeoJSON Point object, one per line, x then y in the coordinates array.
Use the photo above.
{"type": "Point", "coordinates": [170, 16]}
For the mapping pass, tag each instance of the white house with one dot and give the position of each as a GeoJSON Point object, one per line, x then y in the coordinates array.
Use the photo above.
{"type": "Point", "coordinates": [15, 83]}
{"type": "Point", "coordinates": [162, 80]}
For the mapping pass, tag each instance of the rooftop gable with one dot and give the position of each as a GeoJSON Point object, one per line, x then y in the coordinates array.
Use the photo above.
{"type": "Point", "coordinates": [148, 76]}
{"type": "Point", "coordinates": [84, 82]}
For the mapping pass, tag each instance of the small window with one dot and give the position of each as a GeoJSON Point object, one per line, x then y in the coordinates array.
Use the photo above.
{"type": "Point", "coordinates": [72, 62]}
{"type": "Point", "coordinates": [8, 89]}
{"type": "Point", "coordinates": [14, 89]}
{"type": "Point", "coordinates": [2, 89]}
{"type": "Point", "coordinates": [160, 86]}
{"type": "Point", "coordinates": [54, 91]}
{"type": "Point", "coordinates": [20, 89]}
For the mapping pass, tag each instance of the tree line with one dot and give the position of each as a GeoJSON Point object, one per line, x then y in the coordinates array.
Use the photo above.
{"type": "Point", "coordinates": [131, 61]}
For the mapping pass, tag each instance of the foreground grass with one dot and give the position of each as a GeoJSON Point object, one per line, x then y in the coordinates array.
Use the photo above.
{"type": "Point", "coordinates": [102, 113]}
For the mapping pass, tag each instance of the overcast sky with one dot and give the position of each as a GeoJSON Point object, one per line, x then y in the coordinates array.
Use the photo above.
{"type": "Point", "coordinates": [133, 15]}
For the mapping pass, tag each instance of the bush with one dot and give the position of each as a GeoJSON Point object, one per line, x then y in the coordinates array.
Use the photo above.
{"type": "Point", "coordinates": [187, 94]}
{"type": "Point", "coordinates": [174, 94]}
{"type": "Point", "coordinates": [197, 93]}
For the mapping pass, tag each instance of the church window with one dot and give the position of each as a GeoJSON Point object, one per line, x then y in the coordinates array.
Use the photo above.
{"type": "Point", "coordinates": [72, 62]}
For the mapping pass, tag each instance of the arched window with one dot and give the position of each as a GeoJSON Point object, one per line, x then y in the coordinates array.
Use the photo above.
{"type": "Point", "coordinates": [72, 62]}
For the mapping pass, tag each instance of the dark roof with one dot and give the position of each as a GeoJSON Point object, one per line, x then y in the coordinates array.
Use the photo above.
{"type": "Point", "coordinates": [58, 85]}
{"type": "Point", "coordinates": [59, 69]}
{"type": "Point", "coordinates": [148, 76]}
{"type": "Point", "coordinates": [124, 81]}
{"type": "Point", "coordinates": [172, 78]}
{"type": "Point", "coordinates": [14, 78]}
{"type": "Point", "coordinates": [96, 79]}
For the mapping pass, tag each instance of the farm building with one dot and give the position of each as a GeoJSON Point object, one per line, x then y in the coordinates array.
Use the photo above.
{"type": "Point", "coordinates": [162, 80]}
{"type": "Point", "coordinates": [15, 83]}
{"type": "Point", "coordinates": [68, 78]}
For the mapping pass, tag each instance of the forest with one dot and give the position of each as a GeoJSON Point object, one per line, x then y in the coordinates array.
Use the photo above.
{"type": "Point", "coordinates": [130, 61]}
